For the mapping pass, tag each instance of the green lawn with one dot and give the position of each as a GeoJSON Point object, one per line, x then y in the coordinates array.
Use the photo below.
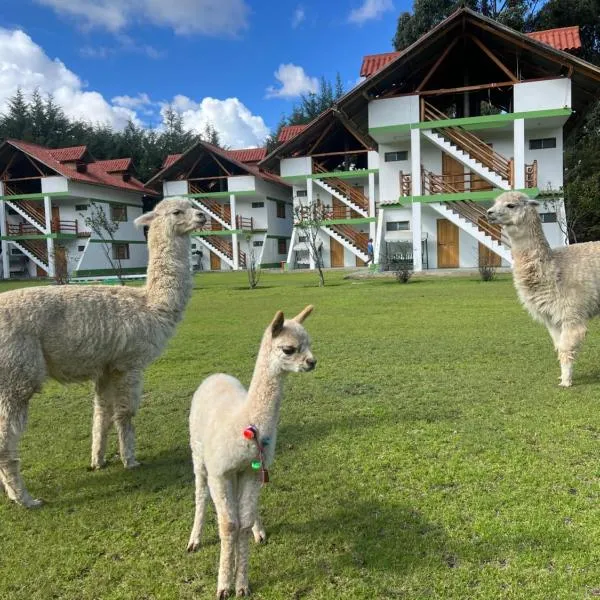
{"type": "Point", "coordinates": [430, 455]}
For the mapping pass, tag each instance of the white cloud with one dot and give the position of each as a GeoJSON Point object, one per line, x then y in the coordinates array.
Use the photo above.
{"type": "Point", "coordinates": [206, 17]}
{"type": "Point", "coordinates": [299, 16]}
{"type": "Point", "coordinates": [24, 64]}
{"type": "Point", "coordinates": [294, 82]}
{"type": "Point", "coordinates": [370, 9]}
{"type": "Point", "coordinates": [132, 101]}
{"type": "Point", "coordinates": [237, 126]}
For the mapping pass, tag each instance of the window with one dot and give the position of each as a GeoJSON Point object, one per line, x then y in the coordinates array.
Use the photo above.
{"type": "Point", "coordinates": [397, 226]}
{"type": "Point", "coordinates": [81, 207]}
{"type": "Point", "coordinates": [395, 156]}
{"type": "Point", "coordinates": [301, 193]}
{"type": "Point", "coordinates": [118, 213]}
{"type": "Point", "coordinates": [302, 239]}
{"type": "Point", "coordinates": [258, 205]}
{"type": "Point", "coordinates": [257, 244]}
{"type": "Point", "coordinates": [193, 246]}
{"type": "Point", "coordinates": [542, 143]}
{"type": "Point", "coordinates": [282, 245]}
{"type": "Point", "coordinates": [281, 210]}
{"type": "Point", "coordinates": [120, 251]}
{"type": "Point", "coordinates": [80, 248]}
{"type": "Point", "coordinates": [548, 217]}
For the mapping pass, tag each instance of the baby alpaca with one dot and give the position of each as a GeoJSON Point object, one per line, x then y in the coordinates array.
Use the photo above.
{"type": "Point", "coordinates": [232, 435]}
{"type": "Point", "coordinates": [559, 287]}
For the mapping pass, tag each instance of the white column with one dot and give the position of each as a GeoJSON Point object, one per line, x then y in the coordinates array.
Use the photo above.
{"type": "Point", "coordinates": [415, 156]}
{"type": "Point", "coordinates": [49, 240]}
{"type": "Point", "coordinates": [290, 256]}
{"type": "Point", "coordinates": [5, 256]}
{"type": "Point", "coordinates": [373, 225]}
{"type": "Point", "coordinates": [234, 237]}
{"type": "Point", "coordinates": [379, 236]}
{"type": "Point", "coordinates": [309, 199]}
{"type": "Point", "coordinates": [519, 154]}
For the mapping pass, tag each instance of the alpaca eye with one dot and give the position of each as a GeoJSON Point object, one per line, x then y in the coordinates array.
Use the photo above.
{"type": "Point", "coordinates": [288, 350]}
{"type": "Point", "coordinates": [176, 212]}
{"type": "Point", "coordinates": [510, 206]}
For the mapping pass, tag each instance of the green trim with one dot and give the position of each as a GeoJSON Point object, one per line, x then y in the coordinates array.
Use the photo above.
{"type": "Point", "coordinates": [481, 122]}
{"type": "Point", "coordinates": [99, 241]}
{"type": "Point", "coordinates": [76, 199]}
{"type": "Point", "coordinates": [217, 232]}
{"type": "Point", "coordinates": [279, 237]}
{"type": "Point", "coordinates": [350, 221]}
{"type": "Point", "coordinates": [93, 272]}
{"type": "Point", "coordinates": [215, 194]}
{"type": "Point", "coordinates": [39, 196]}
{"type": "Point", "coordinates": [41, 236]}
{"type": "Point", "coordinates": [338, 174]}
{"type": "Point", "coordinates": [276, 265]}
{"type": "Point", "coordinates": [472, 196]}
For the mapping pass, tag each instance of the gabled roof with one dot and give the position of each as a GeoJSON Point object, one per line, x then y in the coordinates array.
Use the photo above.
{"type": "Point", "coordinates": [95, 173]}
{"type": "Point", "coordinates": [248, 155]}
{"type": "Point", "coordinates": [290, 131]}
{"type": "Point", "coordinates": [114, 165]}
{"type": "Point", "coordinates": [174, 160]}
{"type": "Point", "coordinates": [373, 62]}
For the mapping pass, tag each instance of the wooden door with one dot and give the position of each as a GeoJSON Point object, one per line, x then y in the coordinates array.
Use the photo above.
{"type": "Point", "coordinates": [454, 173]}
{"type": "Point", "coordinates": [360, 262]}
{"type": "Point", "coordinates": [447, 244]}
{"type": "Point", "coordinates": [337, 253]}
{"type": "Point", "coordinates": [55, 219]}
{"type": "Point", "coordinates": [215, 262]}
{"type": "Point", "coordinates": [486, 256]}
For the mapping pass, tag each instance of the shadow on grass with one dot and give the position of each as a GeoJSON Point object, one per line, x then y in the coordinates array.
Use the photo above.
{"type": "Point", "coordinates": [246, 288]}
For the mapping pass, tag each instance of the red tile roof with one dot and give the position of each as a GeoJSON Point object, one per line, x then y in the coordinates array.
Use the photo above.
{"type": "Point", "coordinates": [95, 173]}
{"type": "Point", "coordinates": [114, 165]}
{"type": "Point", "coordinates": [171, 158]}
{"type": "Point", "coordinates": [289, 132]}
{"type": "Point", "coordinates": [248, 155]}
{"type": "Point", "coordinates": [70, 154]}
{"type": "Point", "coordinates": [562, 38]}
{"type": "Point", "coordinates": [373, 62]}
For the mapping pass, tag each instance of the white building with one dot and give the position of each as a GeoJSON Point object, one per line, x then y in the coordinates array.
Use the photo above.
{"type": "Point", "coordinates": [47, 194]}
{"type": "Point", "coordinates": [420, 148]}
{"type": "Point", "coordinates": [249, 211]}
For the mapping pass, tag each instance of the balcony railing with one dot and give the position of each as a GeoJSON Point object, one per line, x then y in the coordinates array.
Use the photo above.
{"type": "Point", "coordinates": [65, 227]}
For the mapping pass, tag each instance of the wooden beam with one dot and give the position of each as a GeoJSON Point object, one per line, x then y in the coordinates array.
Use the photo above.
{"type": "Point", "coordinates": [207, 178]}
{"type": "Point", "coordinates": [219, 163]}
{"type": "Point", "coordinates": [325, 131]}
{"type": "Point", "coordinates": [353, 130]}
{"type": "Point", "coordinates": [10, 162]}
{"type": "Point", "coordinates": [34, 165]}
{"type": "Point", "coordinates": [494, 58]}
{"type": "Point", "coordinates": [436, 64]}
{"type": "Point", "coordinates": [465, 88]}
{"type": "Point", "coordinates": [359, 151]}
{"type": "Point", "coordinates": [194, 166]}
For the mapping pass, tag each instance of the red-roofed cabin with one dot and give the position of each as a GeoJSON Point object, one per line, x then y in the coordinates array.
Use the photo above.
{"type": "Point", "coordinates": [52, 196]}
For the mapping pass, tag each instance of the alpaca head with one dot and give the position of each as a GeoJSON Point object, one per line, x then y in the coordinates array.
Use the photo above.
{"type": "Point", "coordinates": [512, 208]}
{"type": "Point", "coordinates": [289, 349]}
{"type": "Point", "coordinates": [175, 216]}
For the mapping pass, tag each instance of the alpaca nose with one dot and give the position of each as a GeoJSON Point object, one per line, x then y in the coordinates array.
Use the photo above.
{"type": "Point", "coordinates": [311, 362]}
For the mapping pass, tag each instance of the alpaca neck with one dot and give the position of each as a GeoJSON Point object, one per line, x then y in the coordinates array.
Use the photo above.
{"type": "Point", "coordinates": [264, 393]}
{"type": "Point", "coordinates": [169, 281]}
{"type": "Point", "coordinates": [528, 241]}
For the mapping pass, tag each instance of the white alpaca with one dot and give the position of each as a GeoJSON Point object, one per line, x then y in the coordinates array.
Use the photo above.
{"type": "Point", "coordinates": [103, 333]}
{"type": "Point", "coordinates": [560, 287]}
{"type": "Point", "coordinates": [229, 430]}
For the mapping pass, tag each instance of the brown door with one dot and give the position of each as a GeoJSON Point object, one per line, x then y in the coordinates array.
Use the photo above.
{"type": "Point", "coordinates": [40, 272]}
{"type": "Point", "coordinates": [487, 258]}
{"type": "Point", "coordinates": [55, 219]}
{"type": "Point", "coordinates": [337, 253]}
{"type": "Point", "coordinates": [360, 262]}
{"type": "Point", "coordinates": [478, 184]}
{"type": "Point", "coordinates": [215, 262]}
{"type": "Point", "coordinates": [447, 244]}
{"type": "Point", "coordinates": [454, 173]}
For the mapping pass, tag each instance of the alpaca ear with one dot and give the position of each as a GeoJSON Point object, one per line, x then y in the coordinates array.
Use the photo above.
{"type": "Point", "coordinates": [277, 324]}
{"type": "Point", "coordinates": [300, 317]}
{"type": "Point", "coordinates": [145, 219]}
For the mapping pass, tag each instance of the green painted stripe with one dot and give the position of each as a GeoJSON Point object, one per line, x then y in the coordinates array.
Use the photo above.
{"type": "Point", "coordinates": [350, 221]}
{"type": "Point", "coordinates": [279, 237]}
{"type": "Point", "coordinates": [338, 174]}
{"type": "Point", "coordinates": [99, 241]}
{"type": "Point", "coordinates": [215, 194]}
{"type": "Point", "coordinates": [218, 232]}
{"type": "Point", "coordinates": [39, 196]}
{"type": "Point", "coordinates": [76, 199]}
{"type": "Point", "coordinates": [473, 196]}
{"type": "Point", "coordinates": [93, 272]}
{"type": "Point", "coordinates": [274, 265]}
{"type": "Point", "coordinates": [480, 122]}
{"type": "Point", "coordinates": [54, 236]}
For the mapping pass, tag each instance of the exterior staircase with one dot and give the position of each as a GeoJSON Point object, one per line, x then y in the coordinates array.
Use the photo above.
{"type": "Point", "coordinates": [469, 150]}
{"type": "Point", "coordinates": [219, 212]}
{"type": "Point", "coordinates": [338, 188]}
{"type": "Point", "coordinates": [32, 212]}
{"type": "Point", "coordinates": [35, 250]}
{"type": "Point", "coordinates": [471, 217]}
{"type": "Point", "coordinates": [223, 249]}
{"type": "Point", "coordinates": [355, 241]}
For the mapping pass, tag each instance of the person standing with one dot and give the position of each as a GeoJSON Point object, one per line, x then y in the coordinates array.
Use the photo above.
{"type": "Point", "coordinates": [370, 252]}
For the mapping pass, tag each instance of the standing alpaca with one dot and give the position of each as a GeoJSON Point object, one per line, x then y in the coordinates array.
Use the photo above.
{"type": "Point", "coordinates": [560, 287]}
{"type": "Point", "coordinates": [232, 432]}
{"type": "Point", "coordinates": [103, 333]}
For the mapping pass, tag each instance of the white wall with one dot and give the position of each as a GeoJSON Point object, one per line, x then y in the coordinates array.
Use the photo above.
{"type": "Point", "coordinates": [542, 95]}
{"type": "Point", "coordinates": [550, 160]}
{"type": "Point", "coordinates": [277, 225]}
{"type": "Point", "coordinates": [54, 184]}
{"type": "Point", "coordinates": [373, 159]}
{"type": "Point", "coordinates": [83, 190]}
{"type": "Point", "coordinates": [296, 166]}
{"type": "Point", "coordinates": [394, 111]}
{"type": "Point", "coordinates": [175, 188]}
{"type": "Point", "coordinates": [260, 216]}
{"type": "Point", "coordinates": [94, 257]}
{"type": "Point", "coordinates": [389, 172]}
{"type": "Point", "coordinates": [241, 183]}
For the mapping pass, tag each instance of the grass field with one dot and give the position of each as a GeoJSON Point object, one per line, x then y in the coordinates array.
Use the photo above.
{"type": "Point", "coordinates": [430, 455]}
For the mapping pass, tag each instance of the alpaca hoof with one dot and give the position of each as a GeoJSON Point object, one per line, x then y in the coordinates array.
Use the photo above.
{"type": "Point", "coordinates": [565, 384]}
{"type": "Point", "coordinates": [260, 537]}
{"type": "Point", "coordinates": [96, 466]}
{"type": "Point", "coordinates": [29, 502]}
{"type": "Point", "coordinates": [193, 546]}
{"type": "Point", "coordinates": [222, 594]}
{"type": "Point", "coordinates": [243, 591]}
{"type": "Point", "coordinates": [132, 464]}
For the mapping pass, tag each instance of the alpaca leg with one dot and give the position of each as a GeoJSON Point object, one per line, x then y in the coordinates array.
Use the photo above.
{"type": "Point", "coordinates": [103, 411]}
{"type": "Point", "coordinates": [12, 424]}
{"type": "Point", "coordinates": [225, 500]}
{"type": "Point", "coordinates": [258, 530]}
{"type": "Point", "coordinates": [554, 332]}
{"type": "Point", "coordinates": [249, 490]}
{"type": "Point", "coordinates": [571, 337]}
{"type": "Point", "coordinates": [201, 497]}
{"type": "Point", "coordinates": [127, 394]}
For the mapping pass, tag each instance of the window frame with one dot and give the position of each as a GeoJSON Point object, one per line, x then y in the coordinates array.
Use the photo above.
{"type": "Point", "coordinates": [114, 214]}
{"type": "Point", "coordinates": [280, 242]}
{"type": "Point", "coordinates": [280, 209]}
{"type": "Point", "coordinates": [548, 143]}
{"type": "Point", "coordinates": [116, 246]}
{"type": "Point", "coordinates": [387, 156]}
{"type": "Point", "coordinates": [259, 204]}
{"type": "Point", "coordinates": [388, 223]}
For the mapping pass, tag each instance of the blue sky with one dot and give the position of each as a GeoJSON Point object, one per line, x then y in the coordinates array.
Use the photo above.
{"type": "Point", "coordinates": [239, 63]}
